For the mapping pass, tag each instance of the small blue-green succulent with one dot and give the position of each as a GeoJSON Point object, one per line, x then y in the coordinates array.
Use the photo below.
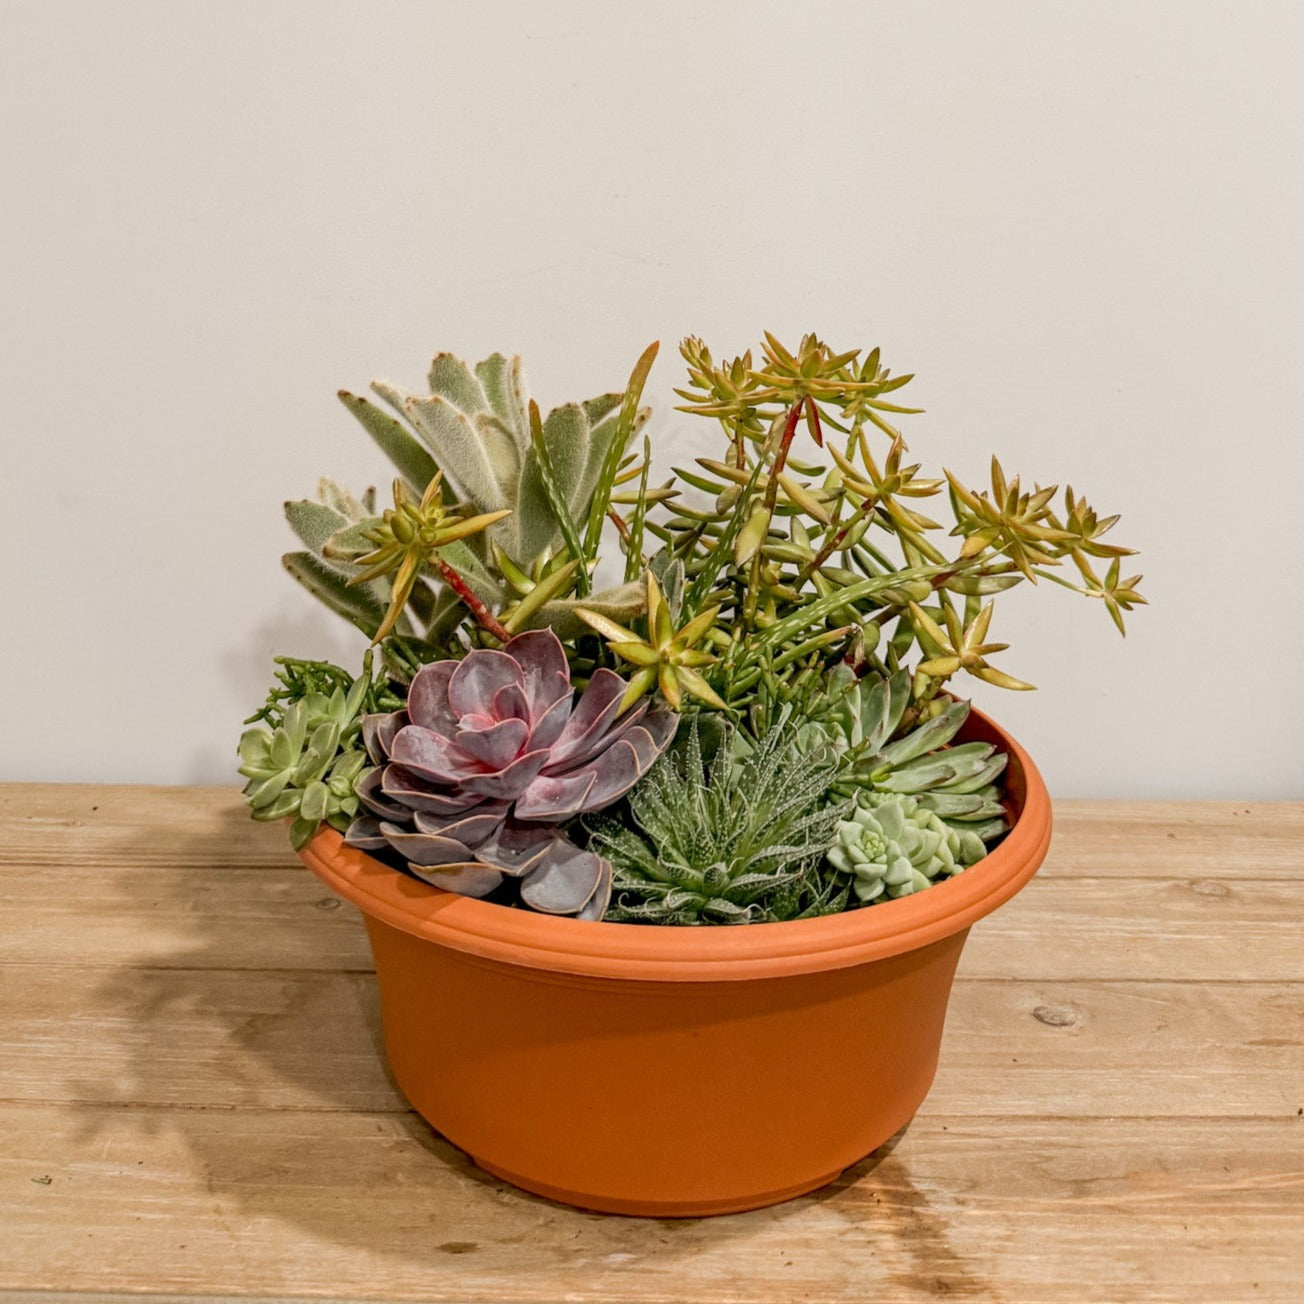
{"type": "Point", "coordinates": [891, 845]}
{"type": "Point", "coordinates": [958, 782]}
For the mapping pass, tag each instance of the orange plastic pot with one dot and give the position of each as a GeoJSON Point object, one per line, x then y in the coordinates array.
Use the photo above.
{"type": "Point", "coordinates": [670, 1071]}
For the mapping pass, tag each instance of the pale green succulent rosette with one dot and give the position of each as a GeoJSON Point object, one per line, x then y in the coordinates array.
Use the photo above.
{"type": "Point", "coordinates": [304, 768]}
{"type": "Point", "coordinates": [956, 781]}
{"type": "Point", "coordinates": [892, 846]}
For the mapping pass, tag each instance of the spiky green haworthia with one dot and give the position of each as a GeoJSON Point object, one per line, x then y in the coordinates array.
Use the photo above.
{"type": "Point", "coordinates": [890, 846]}
{"type": "Point", "coordinates": [735, 841]}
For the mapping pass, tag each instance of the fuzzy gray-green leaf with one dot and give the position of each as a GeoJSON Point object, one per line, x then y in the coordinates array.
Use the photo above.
{"type": "Point", "coordinates": [621, 604]}
{"type": "Point", "coordinates": [313, 522]}
{"type": "Point", "coordinates": [453, 439]}
{"type": "Point", "coordinates": [504, 387]}
{"type": "Point", "coordinates": [599, 408]}
{"type": "Point", "coordinates": [359, 604]}
{"type": "Point", "coordinates": [566, 433]}
{"type": "Point", "coordinates": [453, 379]}
{"type": "Point", "coordinates": [410, 460]}
{"type": "Point", "coordinates": [502, 449]}
{"type": "Point", "coordinates": [349, 542]}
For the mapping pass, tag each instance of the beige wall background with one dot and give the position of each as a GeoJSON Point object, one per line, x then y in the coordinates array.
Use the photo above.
{"type": "Point", "coordinates": [1079, 223]}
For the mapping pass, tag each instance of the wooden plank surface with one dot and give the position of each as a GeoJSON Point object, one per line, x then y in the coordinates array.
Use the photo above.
{"type": "Point", "coordinates": [364, 1204]}
{"type": "Point", "coordinates": [241, 918]}
{"type": "Point", "coordinates": [192, 1102]}
{"type": "Point", "coordinates": [69, 824]}
{"type": "Point", "coordinates": [223, 1039]}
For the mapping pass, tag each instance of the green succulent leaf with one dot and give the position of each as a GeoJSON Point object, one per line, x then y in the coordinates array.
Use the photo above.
{"type": "Point", "coordinates": [314, 522]}
{"type": "Point", "coordinates": [409, 458]}
{"type": "Point", "coordinates": [357, 605]}
{"type": "Point", "coordinates": [935, 733]}
{"type": "Point", "coordinates": [285, 805]}
{"type": "Point", "coordinates": [452, 379]}
{"type": "Point", "coordinates": [615, 448]}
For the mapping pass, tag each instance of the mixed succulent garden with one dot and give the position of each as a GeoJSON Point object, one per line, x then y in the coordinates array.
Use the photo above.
{"type": "Point", "coordinates": [745, 712]}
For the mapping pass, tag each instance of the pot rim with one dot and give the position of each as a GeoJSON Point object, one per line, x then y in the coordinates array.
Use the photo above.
{"type": "Point", "coordinates": [715, 953]}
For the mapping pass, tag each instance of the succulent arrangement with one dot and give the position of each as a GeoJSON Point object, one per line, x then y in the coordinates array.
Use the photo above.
{"type": "Point", "coordinates": [757, 722]}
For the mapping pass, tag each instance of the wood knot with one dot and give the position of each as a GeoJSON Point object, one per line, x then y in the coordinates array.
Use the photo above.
{"type": "Point", "coordinates": [1056, 1016]}
{"type": "Point", "coordinates": [328, 903]}
{"type": "Point", "coordinates": [1210, 887]}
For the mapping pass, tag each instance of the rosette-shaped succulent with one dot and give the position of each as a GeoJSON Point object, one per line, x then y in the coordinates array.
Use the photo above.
{"type": "Point", "coordinates": [955, 781]}
{"type": "Point", "coordinates": [491, 756]}
{"type": "Point", "coordinates": [302, 764]}
{"type": "Point", "coordinates": [891, 845]}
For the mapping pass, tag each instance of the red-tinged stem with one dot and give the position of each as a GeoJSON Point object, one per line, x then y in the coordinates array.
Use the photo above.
{"type": "Point", "coordinates": [472, 599]}
{"type": "Point", "coordinates": [781, 457]}
{"type": "Point", "coordinates": [833, 543]}
{"type": "Point", "coordinates": [771, 499]}
{"type": "Point", "coordinates": [619, 522]}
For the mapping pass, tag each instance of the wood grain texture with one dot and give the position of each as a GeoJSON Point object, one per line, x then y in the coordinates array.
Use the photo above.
{"type": "Point", "coordinates": [68, 824]}
{"type": "Point", "coordinates": [242, 918]}
{"type": "Point", "coordinates": [223, 1039]}
{"type": "Point", "coordinates": [998, 1208]}
{"type": "Point", "coordinates": [193, 1104]}
{"type": "Point", "coordinates": [87, 824]}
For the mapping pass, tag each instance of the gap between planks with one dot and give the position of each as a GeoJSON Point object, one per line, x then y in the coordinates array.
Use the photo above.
{"type": "Point", "coordinates": [1135, 928]}
{"type": "Point", "coordinates": [209, 827]}
{"type": "Point", "coordinates": [236, 1039]}
{"type": "Point", "coordinates": [376, 1207]}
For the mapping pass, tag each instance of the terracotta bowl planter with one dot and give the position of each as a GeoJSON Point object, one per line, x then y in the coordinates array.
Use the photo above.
{"type": "Point", "coordinates": [673, 1071]}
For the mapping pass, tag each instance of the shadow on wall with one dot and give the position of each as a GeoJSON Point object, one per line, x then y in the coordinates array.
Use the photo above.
{"type": "Point", "coordinates": [246, 669]}
{"type": "Point", "coordinates": [249, 1030]}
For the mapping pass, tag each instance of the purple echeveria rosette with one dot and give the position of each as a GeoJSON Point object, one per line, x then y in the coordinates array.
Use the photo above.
{"type": "Point", "coordinates": [491, 755]}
